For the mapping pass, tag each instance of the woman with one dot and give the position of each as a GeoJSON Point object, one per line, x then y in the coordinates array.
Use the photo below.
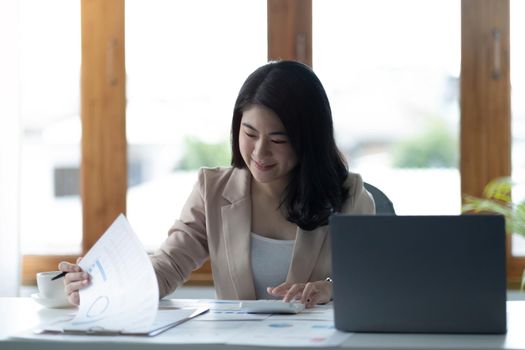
{"type": "Point", "coordinates": [263, 221]}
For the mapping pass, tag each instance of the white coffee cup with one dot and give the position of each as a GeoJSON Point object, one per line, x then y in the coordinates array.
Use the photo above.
{"type": "Point", "coordinates": [48, 288]}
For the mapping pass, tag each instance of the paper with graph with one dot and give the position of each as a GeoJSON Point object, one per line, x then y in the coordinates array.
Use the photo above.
{"type": "Point", "coordinates": [123, 293]}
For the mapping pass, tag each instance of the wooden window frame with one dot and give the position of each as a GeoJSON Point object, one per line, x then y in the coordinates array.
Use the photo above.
{"type": "Point", "coordinates": [485, 108]}
{"type": "Point", "coordinates": [103, 147]}
{"type": "Point", "coordinates": [290, 30]}
{"type": "Point", "coordinates": [486, 104]}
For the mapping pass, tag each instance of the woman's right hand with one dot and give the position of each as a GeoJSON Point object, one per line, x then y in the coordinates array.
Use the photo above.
{"type": "Point", "coordinates": [74, 280]}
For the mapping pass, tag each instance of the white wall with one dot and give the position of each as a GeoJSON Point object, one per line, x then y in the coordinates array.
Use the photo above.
{"type": "Point", "coordinates": [9, 149]}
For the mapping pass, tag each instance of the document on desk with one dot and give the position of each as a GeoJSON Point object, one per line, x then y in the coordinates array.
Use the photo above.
{"type": "Point", "coordinates": [123, 296]}
{"type": "Point", "coordinates": [292, 333]}
{"type": "Point", "coordinates": [227, 324]}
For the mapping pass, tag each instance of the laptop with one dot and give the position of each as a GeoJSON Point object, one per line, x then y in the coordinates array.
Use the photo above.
{"type": "Point", "coordinates": [419, 274]}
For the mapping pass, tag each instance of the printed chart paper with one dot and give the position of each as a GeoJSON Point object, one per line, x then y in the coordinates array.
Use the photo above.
{"type": "Point", "coordinates": [123, 293]}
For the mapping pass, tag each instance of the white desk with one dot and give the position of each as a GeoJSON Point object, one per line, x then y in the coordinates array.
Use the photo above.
{"type": "Point", "coordinates": [19, 314]}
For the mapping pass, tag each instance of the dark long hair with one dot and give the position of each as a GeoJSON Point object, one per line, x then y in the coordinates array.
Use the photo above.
{"type": "Point", "coordinates": [296, 95]}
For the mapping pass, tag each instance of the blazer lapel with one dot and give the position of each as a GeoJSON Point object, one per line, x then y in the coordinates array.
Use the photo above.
{"type": "Point", "coordinates": [305, 253]}
{"type": "Point", "coordinates": [236, 226]}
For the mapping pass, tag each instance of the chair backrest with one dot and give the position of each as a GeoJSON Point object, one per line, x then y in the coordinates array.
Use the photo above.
{"type": "Point", "coordinates": [383, 204]}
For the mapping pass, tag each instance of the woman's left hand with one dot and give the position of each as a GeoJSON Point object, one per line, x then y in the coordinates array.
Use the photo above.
{"type": "Point", "coordinates": [310, 293]}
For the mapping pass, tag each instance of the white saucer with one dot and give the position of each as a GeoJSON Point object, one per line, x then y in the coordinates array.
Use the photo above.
{"type": "Point", "coordinates": [51, 302]}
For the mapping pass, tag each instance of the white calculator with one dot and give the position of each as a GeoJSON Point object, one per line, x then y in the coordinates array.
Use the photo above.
{"type": "Point", "coordinates": [269, 306]}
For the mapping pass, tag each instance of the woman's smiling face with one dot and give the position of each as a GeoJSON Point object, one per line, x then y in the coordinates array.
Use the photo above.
{"type": "Point", "coordinates": [264, 145]}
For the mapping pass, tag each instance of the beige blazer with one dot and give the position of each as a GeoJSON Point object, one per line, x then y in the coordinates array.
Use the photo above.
{"type": "Point", "coordinates": [215, 224]}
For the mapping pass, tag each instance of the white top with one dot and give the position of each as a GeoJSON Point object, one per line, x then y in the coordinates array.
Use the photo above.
{"type": "Point", "coordinates": [270, 259]}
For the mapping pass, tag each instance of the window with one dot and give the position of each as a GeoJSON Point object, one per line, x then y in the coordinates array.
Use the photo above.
{"type": "Point", "coordinates": [151, 100]}
{"type": "Point", "coordinates": [50, 206]}
{"type": "Point", "coordinates": [185, 63]}
{"type": "Point", "coordinates": [391, 71]}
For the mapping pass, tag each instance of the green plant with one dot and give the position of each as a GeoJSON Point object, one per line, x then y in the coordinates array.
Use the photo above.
{"type": "Point", "coordinates": [198, 154]}
{"type": "Point", "coordinates": [497, 199]}
{"type": "Point", "coordinates": [434, 147]}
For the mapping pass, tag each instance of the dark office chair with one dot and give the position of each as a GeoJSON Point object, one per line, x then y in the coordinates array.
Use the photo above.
{"type": "Point", "coordinates": [383, 204]}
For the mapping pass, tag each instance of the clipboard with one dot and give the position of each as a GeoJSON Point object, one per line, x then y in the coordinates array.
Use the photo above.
{"type": "Point", "coordinates": [99, 331]}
